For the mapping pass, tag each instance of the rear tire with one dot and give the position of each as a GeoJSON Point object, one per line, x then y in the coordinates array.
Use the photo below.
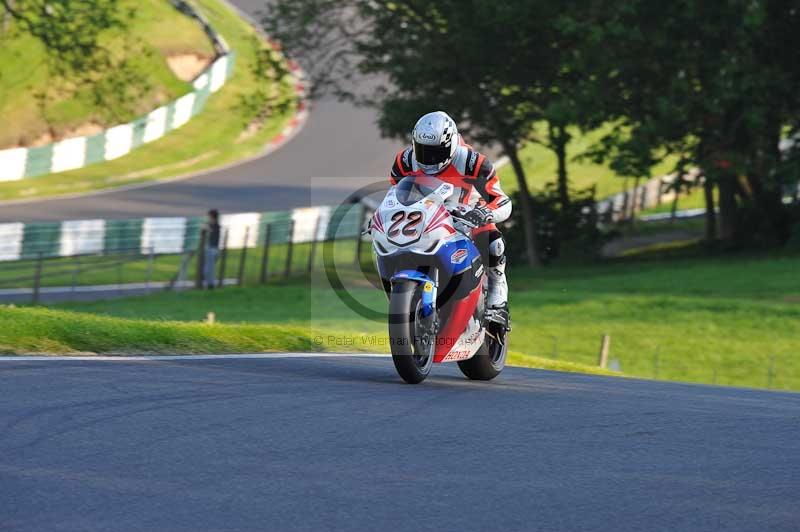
{"type": "Point", "coordinates": [412, 359]}
{"type": "Point", "coordinates": [488, 362]}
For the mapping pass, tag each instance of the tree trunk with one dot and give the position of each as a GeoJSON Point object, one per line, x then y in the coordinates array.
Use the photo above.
{"type": "Point", "coordinates": [525, 204]}
{"type": "Point", "coordinates": [711, 215]}
{"type": "Point", "coordinates": [728, 209]}
{"type": "Point", "coordinates": [558, 142]}
{"type": "Point", "coordinates": [673, 213]}
{"type": "Point", "coordinates": [634, 201]}
{"type": "Point", "coordinates": [769, 200]}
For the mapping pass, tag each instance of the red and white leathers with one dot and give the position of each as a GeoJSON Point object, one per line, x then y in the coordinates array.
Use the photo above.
{"type": "Point", "coordinates": [477, 185]}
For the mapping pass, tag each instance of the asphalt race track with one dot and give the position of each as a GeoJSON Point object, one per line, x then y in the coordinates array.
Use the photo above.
{"type": "Point", "coordinates": [338, 443]}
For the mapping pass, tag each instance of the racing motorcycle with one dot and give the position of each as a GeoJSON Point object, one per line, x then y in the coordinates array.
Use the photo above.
{"type": "Point", "coordinates": [433, 276]}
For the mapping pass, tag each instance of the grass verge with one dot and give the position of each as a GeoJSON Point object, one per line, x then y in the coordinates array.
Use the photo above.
{"type": "Point", "coordinates": [522, 360]}
{"type": "Point", "coordinates": [731, 320]}
{"type": "Point", "coordinates": [50, 331]}
{"type": "Point", "coordinates": [53, 332]}
{"type": "Point", "coordinates": [209, 140]}
{"type": "Point", "coordinates": [541, 167]}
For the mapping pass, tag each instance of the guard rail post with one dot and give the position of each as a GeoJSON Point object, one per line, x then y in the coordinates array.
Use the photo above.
{"type": "Point", "coordinates": [201, 259]}
{"type": "Point", "coordinates": [265, 256]}
{"type": "Point", "coordinates": [313, 252]}
{"type": "Point", "coordinates": [359, 237]}
{"type": "Point", "coordinates": [243, 257]}
{"type": "Point", "coordinates": [37, 278]}
{"type": "Point", "coordinates": [120, 263]}
{"type": "Point", "coordinates": [75, 271]}
{"type": "Point", "coordinates": [625, 201]}
{"type": "Point", "coordinates": [605, 345]}
{"type": "Point", "coordinates": [289, 245]}
{"type": "Point", "coordinates": [150, 260]}
{"type": "Point", "coordinates": [224, 260]}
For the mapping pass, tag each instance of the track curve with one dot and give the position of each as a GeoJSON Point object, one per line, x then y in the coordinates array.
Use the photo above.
{"type": "Point", "coordinates": [338, 141]}
{"type": "Point", "coordinates": [330, 443]}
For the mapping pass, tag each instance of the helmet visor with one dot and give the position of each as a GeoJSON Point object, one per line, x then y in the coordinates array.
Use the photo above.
{"type": "Point", "coordinates": [427, 154]}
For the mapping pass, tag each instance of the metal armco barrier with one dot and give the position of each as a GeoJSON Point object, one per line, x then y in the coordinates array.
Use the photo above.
{"type": "Point", "coordinates": [166, 252]}
{"type": "Point", "coordinates": [168, 235]}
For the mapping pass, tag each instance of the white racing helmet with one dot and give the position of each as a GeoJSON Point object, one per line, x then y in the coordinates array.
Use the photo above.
{"type": "Point", "coordinates": [434, 141]}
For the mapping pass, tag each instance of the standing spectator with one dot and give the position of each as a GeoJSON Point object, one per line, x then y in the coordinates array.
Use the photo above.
{"type": "Point", "coordinates": [212, 249]}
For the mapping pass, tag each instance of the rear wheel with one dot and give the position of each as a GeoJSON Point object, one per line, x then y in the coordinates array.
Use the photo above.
{"type": "Point", "coordinates": [412, 337]}
{"type": "Point", "coordinates": [488, 362]}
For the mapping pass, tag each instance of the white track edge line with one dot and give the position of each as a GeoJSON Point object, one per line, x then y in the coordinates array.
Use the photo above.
{"type": "Point", "coordinates": [243, 356]}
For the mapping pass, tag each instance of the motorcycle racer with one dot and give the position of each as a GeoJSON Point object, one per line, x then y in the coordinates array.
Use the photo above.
{"type": "Point", "coordinates": [437, 149]}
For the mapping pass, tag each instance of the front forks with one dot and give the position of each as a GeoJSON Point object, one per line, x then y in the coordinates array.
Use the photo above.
{"type": "Point", "coordinates": [428, 284]}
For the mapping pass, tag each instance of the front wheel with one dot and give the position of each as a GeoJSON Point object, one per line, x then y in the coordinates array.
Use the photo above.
{"type": "Point", "coordinates": [412, 338]}
{"type": "Point", "coordinates": [488, 362]}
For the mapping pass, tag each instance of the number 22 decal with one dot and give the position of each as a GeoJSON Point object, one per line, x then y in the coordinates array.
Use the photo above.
{"type": "Point", "coordinates": [412, 220]}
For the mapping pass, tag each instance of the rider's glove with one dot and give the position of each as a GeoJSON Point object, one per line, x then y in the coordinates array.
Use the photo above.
{"type": "Point", "coordinates": [479, 216]}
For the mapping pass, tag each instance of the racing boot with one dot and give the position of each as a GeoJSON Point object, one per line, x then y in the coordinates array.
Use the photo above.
{"type": "Point", "coordinates": [497, 317]}
{"type": "Point", "coordinates": [498, 321]}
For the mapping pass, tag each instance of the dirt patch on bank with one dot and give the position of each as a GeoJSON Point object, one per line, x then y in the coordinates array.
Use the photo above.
{"type": "Point", "coordinates": [186, 67]}
{"type": "Point", "coordinates": [84, 130]}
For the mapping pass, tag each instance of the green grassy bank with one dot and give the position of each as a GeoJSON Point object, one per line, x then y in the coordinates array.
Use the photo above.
{"type": "Point", "coordinates": [732, 320]}
{"type": "Point", "coordinates": [540, 166]}
{"type": "Point", "coordinates": [51, 331]}
{"type": "Point", "coordinates": [154, 31]}
{"type": "Point", "coordinates": [211, 139]}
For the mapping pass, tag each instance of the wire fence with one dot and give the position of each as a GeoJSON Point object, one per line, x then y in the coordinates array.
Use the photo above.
{"type": "Point", "coordinates": [168, 252]}
{"type": "Point", "coordinates": [658, 191]}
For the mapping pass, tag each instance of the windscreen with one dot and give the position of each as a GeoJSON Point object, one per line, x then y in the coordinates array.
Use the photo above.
{"type": "Point", "coordinates": [411, 189]}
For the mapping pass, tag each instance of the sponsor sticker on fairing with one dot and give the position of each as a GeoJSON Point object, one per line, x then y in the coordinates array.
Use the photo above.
{"type": "Point", "coordinates": [459, 256]}
{"type": "Point", "coordinates": [457, 355]}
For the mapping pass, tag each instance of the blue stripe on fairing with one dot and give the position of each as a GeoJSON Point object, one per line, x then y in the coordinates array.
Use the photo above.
{"type": "Point", "coordinates": [446, 252]}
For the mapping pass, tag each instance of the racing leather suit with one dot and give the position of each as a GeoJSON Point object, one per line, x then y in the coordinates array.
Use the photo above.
{"type": "Point", "coordinates": [477, 185]}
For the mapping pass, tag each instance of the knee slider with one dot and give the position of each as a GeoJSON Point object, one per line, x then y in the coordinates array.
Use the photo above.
{"type": "Point", "coordinates": [497, 249]}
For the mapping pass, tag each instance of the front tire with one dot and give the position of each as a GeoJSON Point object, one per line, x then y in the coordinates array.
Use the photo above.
{"type": "Point", "coordinates": [488, 362]}
{"type": "Point", "coordinates": [412, 349]}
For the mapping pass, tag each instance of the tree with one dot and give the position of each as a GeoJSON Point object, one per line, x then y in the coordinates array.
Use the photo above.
{"type": "Point", "coordinates": [562, 100]}
{"type": "Point", "coordinates": [424, 56]}
{"type": "Point", "coordinates": [710, 81]}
